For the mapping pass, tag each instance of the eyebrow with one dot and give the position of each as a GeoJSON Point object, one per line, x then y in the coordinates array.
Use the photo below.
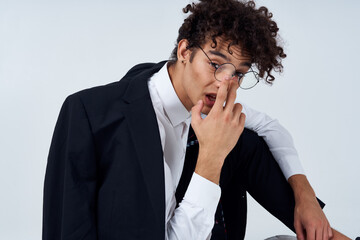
{"type": "Point", "coordinates": [219, 54]}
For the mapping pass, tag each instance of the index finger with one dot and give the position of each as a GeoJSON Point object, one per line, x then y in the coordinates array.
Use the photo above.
{"type": "Point", "coordinates": [231, 97]}
{"type": "Point", "coordinates": [221, 96]}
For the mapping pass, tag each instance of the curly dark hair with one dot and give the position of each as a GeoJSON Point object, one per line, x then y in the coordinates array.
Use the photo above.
{"type": "Point", "coordinates": [241, 24]}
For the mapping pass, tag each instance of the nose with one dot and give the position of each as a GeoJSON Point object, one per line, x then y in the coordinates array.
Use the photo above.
{"type": "Point", "coordinates": [217, 83]}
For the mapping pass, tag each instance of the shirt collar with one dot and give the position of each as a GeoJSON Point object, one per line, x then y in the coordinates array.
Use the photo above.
{"type": "Point", "coordinates": [173, 107]}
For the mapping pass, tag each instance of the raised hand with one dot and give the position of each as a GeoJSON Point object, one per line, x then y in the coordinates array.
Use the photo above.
{"type": "Point", "coordinates": [219, 132]}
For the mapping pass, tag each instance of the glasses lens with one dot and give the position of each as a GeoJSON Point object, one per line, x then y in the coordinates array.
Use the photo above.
{"type": "Point", "coordinates": [225, 71]}
{"type": "Point", "coordinates": [249, 80]}
{"type": "Point", "coordinates": [228, 71]}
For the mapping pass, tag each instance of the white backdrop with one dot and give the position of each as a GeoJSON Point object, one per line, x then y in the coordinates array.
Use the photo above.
{"type": "Point", "coordinates": [50, 49]}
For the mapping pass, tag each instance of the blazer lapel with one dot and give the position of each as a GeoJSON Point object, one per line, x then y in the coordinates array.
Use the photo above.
{"type": "Point", "coordinates": [144, 131]}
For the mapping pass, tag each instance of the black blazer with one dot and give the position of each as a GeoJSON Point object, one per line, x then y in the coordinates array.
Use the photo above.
{"type": "Point", "coordinates": [105, 173]}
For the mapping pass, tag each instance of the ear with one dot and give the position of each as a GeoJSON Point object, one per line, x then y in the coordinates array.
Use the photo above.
{"type": "Point", "coordinates": [183, 54]}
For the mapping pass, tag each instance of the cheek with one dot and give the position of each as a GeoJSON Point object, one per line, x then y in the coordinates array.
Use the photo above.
{"type": "Point", "coordinates": [196, 82]}
{"type": "Point", "coordinates": [193, 83]}
{"type": "Point", "coordinates": [201, 76]}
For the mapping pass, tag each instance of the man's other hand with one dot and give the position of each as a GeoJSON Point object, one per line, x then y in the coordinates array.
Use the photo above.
{"type": "Point", "coordinates": [310, 221]}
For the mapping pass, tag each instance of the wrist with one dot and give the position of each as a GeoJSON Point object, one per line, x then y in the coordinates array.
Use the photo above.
{"type": "Point", "coordinates": [301, 188]}
{"type": "Point", "coordinates": [209, 166]}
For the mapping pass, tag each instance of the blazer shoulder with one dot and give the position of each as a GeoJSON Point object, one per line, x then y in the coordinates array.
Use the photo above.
{"type": "Point", "coordinates": [103, 93]}
{"type": "Point", "coordinates": [98, 99]}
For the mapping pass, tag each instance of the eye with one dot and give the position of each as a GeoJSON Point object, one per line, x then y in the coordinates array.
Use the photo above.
{"type": "Point", "coordinates": [239, 74]}
{"type": "Point", "coordinates": [215, 65]}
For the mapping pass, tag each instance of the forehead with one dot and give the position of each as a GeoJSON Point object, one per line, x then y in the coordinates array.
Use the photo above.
{"type": "Point", "coordinates": [230, 53]}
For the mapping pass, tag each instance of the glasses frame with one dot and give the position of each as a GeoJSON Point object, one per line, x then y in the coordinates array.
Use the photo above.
{"type": "Point", "coordinates": [239, 75]}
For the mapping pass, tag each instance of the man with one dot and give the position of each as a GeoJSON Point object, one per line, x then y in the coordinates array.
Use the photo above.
{"type": "Point", "coordinates": [118, 151]}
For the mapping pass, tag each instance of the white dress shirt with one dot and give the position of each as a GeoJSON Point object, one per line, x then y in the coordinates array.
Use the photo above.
{"type": "Point", "coordinates": [277, 138]}
{"type": "Point", "coordinates": [194, 218]}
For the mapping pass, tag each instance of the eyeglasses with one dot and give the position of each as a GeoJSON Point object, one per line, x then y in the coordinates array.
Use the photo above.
{"type": "Point", "coordinates": [228, 71]}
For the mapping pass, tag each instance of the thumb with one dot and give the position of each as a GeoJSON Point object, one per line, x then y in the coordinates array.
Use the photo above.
{"type": "Point", "coordinates": [196, 112]}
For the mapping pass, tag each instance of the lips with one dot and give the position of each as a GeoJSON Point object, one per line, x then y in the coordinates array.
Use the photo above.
{"type": "Point", "coordinates": [210, 99]}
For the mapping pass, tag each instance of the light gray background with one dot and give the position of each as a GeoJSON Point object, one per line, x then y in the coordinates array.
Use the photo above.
{"type": "Point", "coordinates": [50, 49]}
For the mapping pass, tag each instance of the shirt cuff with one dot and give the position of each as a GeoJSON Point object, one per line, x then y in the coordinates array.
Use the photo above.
{"type": "Point", "coordinates": [203, 193]}
{"type": "Point", "coordinates": [290, 165]}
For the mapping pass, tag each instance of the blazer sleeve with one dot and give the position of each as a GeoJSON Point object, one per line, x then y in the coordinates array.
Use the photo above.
{"type": "Point", "coordinates": [69, 210]}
